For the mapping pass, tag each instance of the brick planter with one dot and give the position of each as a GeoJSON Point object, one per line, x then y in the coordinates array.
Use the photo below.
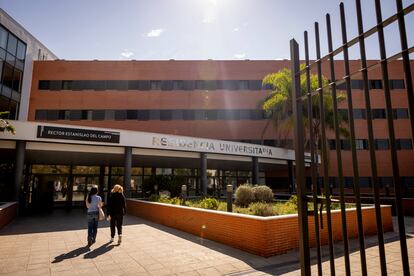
{"type": "Point", "coordinates": [264, 236]}
{"type": "Point", "coordinates": [8, 212]}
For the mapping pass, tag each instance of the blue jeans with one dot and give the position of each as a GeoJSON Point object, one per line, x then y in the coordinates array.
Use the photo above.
{"type": "Point", "coordinates": [93, 219]}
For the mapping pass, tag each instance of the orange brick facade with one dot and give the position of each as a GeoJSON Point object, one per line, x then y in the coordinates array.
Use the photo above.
{"type": "Point", "coordinates": [211, 99]}
{"type": "Point", "coordinates": [261, 236]}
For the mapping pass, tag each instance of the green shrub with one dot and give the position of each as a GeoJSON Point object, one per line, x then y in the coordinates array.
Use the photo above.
{"type": "Point", "coordinates": [261, 209]}
{"type": "Point", "coordinates": [209, 203]}
{"type": "Point", "coordinates": [244, 195]}
{"type": "Point", "coordinates": [263, 193]}
{"type": "Point", "coordinates": [154, 197]}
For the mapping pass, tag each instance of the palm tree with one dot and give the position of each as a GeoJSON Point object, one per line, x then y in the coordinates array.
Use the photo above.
{"type": "Point", "coordinates": [278, 104]}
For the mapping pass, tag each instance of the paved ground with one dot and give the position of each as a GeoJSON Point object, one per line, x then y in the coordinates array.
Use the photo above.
{"type": "Point", "coordinates": [54, 244]}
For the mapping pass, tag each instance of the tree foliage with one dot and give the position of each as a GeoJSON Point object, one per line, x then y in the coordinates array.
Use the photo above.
{"type": "Point", "coordinates": [5, 126]}
{"type": "Point", "coordinates": [278, 103]}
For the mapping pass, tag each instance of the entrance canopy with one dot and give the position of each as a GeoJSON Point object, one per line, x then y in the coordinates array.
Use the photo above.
{"type": "Point", "coordinates": [66, 144]}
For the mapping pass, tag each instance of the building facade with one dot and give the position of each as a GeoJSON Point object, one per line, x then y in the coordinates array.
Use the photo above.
{"type": "Point", "coordinates": [18, 50]}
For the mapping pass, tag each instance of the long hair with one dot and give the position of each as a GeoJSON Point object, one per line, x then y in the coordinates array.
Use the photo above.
{"type": "Point", "coordinates": [117, 189]}
{"type": "Point", "coordinates": [93, 191]}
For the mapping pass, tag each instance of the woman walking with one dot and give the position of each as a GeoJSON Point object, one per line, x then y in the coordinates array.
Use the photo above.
{"type": "Point", "coordinates": [93, 203]}
{"type": "Point", "coordinates": [116, 211]}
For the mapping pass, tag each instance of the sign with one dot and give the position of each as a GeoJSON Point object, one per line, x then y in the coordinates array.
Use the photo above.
{"type": "Point", "coordinates": [77, 134]}
{"type": "Point", "coordinates": [214, 146]}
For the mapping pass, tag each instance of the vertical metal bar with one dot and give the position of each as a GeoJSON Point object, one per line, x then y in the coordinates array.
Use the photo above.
{"type": "Point", "coordinates": [406, 64]}
{"type": "Point", "coordinates": [314, 160]}
{"type": "Point", "coordinates": [203, 173]}
{"type": "Point", "coordinates": [324, 151]}
{"type": "Point", "coordinates": [352, 128]}
{"type": "Point", "coordinates": [300, 160]}
{"type": "Point", "coordinates": [336, 126]}
{"type": "Point", "coordinates": [391, 133]}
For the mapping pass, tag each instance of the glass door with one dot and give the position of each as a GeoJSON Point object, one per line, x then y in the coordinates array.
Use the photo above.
{"type": "Point", "coordinates": [81, 187]}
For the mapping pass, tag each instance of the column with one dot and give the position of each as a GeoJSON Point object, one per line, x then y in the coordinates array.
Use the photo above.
{"type": "Point", "coordinates": [290, 176]}
{"type": "Point", "coordinates": [255, 170]}
{"type": "Point", "coordinates": [127, 171]}
{"type": "Point", "coordinates": [203, 173]}
{"type": "Point", "coordinates": [102, 182]}
{"type": "Point", "coordinates": [18, 168]}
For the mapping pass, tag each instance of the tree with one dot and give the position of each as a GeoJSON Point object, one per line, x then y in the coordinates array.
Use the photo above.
{"type": "Point", "coordinates": [5, 126]}
{"type": "Point", "coordinates": [278, 104]}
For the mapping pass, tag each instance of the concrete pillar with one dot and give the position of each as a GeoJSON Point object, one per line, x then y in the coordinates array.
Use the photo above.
{"type": "Point", "coordinates": [127, 171]}
{"type": "Point", "coordinates": [203, 173]}
{"type": "Point", "coordinates": [18, 168]}
{"type": "Point", "coordinates": [102, 182]}
{"type": "Point", "coordinates": [290, 176]}
{"type": "Point", "coordinates": [255, 170]}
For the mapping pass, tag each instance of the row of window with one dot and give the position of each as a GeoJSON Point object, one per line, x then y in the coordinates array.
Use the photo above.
{"type": "Point", "coordinates": [366, 182]}
{"type": "Point", "coordinates": [380, 144]}
{"type": "Point", "coordinates": [11, 76]}
{"type": "Point", "coordinates": [12, 49]}
{"type": "Point", "coordinates": [153, 114]}
{"type": "Point", "coordinates": [373, 84]}
{"type": "Point", "coordinates": [168, 85]}
{"type": "Point", "coordinates": [145, 85]}
{"type": "Point", "coordinates": [377, 113]}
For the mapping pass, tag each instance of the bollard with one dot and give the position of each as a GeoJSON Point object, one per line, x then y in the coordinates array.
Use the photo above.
{"type": "Point", "coordinates": [229, 190]}
{"type": "Point", "coordinates": [183, 194]}
{"type": "Point", "coordinates": [156, 189]}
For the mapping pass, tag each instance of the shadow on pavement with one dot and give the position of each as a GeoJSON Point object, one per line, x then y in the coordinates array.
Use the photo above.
{"type": "Point", "coordinates": [99, 251]}
{"type": "Point", "coordinates": [72, 254]}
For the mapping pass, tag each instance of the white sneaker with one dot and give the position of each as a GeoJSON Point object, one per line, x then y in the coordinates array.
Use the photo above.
{"type": "Point", "coordinates": [112, 240]}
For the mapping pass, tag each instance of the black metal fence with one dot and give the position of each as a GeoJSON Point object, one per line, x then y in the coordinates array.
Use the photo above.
{"type": "Point", "coordinates": [304, 108]}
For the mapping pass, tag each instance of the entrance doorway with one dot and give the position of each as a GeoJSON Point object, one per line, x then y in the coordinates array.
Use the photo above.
{"type": "Point", "coordinates": [81, 187]}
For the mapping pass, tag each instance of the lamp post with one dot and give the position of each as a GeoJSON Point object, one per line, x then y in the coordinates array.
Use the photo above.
{"type": "Point", "coordinates": [183, 193]}
{"type": "Point", "coordinates": [229, 189]}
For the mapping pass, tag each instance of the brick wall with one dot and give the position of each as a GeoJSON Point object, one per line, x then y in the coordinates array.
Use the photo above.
{"type": "Point", "coordinates": [8, 212]}
{"type": "Point", "coordinates": [264, 236]}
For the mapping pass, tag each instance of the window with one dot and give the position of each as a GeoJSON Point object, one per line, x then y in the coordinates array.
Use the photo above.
{"type": "Point", "coordinates": [211, 114]}
{"type": "Point", "coordinates": [345, 145]}
{"type": "Point", "coordinates": [361, 144]}
{"type": "Point", "coordinates": [397, 84]}
{"type": "Point", "coordinates": [233, 114]}
{"type": "Point", "coordinates": [98, 115]}
{"type": "Point", "coordinates": [132, 115]}
{"type": "Point", "coordinates": [199, 85]}
{"type": "Point", "coordinates": [3, 37]}
{"type": "Point", "coordinates": [99, 85]}
{"type": "Point", "coordinates": [177, 114]}
{"type": "Point", "coordinates": [255, 84]}
{"type": "Point", "coordinates": [375, 84]}
{"type": "Point", "coordinates": [155, 85]}
{"type": "Point", "coordinates": [109, 114]}
{"type": "Point", "coordinates": [17, 80]}
{"type": "Point", "coordinates": [52, 115]}
{"type": "Point", "coordinates": [75, 115]}
{"type": "Point", "coordinates": [385, 181]}
{"type": "Point", "coordinates": [166, 85]}
{"type": "Point", "coordinates": [229, 85]}
{"type": "Point", "coordinates": [44, 85]}
{"type": "Point", "coordinates": [143, 115]}
{"type": "Point", "coordinates": [116, 85]}
{"type": "Point", "coordinates": [7, 75]}
{"type": "Point", "coordinates": [360, 114]}
{"type": "Point", "coordinates": [188, 85]}
{"type": "Point", "coordinates": [378, 114]}
{"type": "Point", "coordinates": [400, 113]}
{"type": "Point", "coordinates": [12, 44]}
{"type": "Point", "coordinates": [243, 85]}
{"type": "Point", "coordinates": [188, 114]}
{"type": "Point", "coordinates": [381, 144]}
{"type": "Point", "coordinates": [67, 85]}
{"type": "Point", "coordinates": [365, 182]}
{"type": "Point", "coordinates": [165, 115]}
{"type": "Point", "coordinates": [77, 85]}
{"type": "Point", "coordinates": [154, 114]}
{"type": "Point", "coordinates": [120, 115]}
{"type": "Point", "coordinates": [245, 114]}
{"type": "Point", "coordinates": [332, 144]}
{"type": "Point", "coordinates": [21, 50]}
{"type": "Point", "coordinates": [133, 85]}
{"type": "Point", "coordinates": [356, 84]}
{"type": "Point", "coordinates": [403, 144]}
{"type": "Point", "coordinates": [144, 85]}
{"type": "Point", "coordinates": [55, 85]}
{"type": "Point", "coordinates": [41, 115]}
{"type": "Point", "coordinates": [178, 85]}
{"type": "Point", "coordinates": [199, 115]}
{"type": "Point", "coordinates": [210, 85]}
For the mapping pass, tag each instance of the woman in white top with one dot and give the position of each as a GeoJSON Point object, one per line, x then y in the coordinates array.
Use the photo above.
{"type": "Point", "coordinates": [93, 203]}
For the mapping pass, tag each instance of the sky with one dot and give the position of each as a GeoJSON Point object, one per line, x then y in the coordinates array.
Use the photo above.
{"type": "Point", "coordinates": [193, 29]}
